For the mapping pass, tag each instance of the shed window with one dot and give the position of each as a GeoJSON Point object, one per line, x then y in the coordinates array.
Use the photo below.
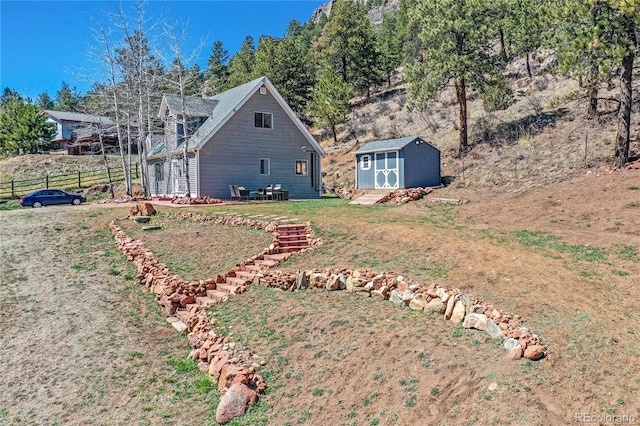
{"type": "Point", "coordinates": [265, 166]}
{"type": "Point", "coordinates": [158, 172]}
{"type": "Point", "coordinates": [263, 119]}
{"type": "Point", "coordinates": [301, 167]}
{"type": "Point", "coordinates": [365, 162]}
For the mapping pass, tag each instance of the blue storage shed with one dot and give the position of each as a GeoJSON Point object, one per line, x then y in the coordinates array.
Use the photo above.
{"type": "Point", "coordinates": [409, 162]}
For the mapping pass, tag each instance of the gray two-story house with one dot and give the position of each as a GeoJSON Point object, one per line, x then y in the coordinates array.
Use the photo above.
{"type": "Point", "coordinates": [247, 136]}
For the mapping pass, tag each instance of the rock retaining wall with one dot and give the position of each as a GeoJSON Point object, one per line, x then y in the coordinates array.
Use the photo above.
{"type": "Point", "coordinates": [237, 379]}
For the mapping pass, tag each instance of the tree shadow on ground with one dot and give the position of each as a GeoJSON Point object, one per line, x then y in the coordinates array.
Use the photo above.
{"type": "Point", "coordinates": [490, 132]}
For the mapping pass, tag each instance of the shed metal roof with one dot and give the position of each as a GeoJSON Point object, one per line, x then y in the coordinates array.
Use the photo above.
{"type": "Point", "coordinates": [388, 145]}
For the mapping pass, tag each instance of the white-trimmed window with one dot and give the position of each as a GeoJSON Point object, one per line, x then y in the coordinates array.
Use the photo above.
{"type": "Point", "coordinates": [159, 172]}
{"type": "Point", "coordinates": [265, 166]}
{"type": "Point", "coordinates": [365, 162]}
{"type": "Point", "coordinates": [179, 133]}
{"type": "Point", "coordinates": [263, 119]}
{"type": "Point", "coordinates": [301, 167]}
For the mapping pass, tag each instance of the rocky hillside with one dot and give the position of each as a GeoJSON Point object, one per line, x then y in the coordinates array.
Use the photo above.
{"type": "Point", "coordinates": [543, 137]}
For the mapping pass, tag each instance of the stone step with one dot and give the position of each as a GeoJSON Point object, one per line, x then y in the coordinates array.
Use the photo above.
{"type": "Point", "coordinates": [235, 281]}
{"type": "Point", "coordinates": [227, 287]}
{"type": "Point", "coordinates": [252, 268]}
{"type": "Point", "coordinates": [248, 275]}
{"type": "Point", "coordinates": [292, 249]}
{"type": "Point", "coordinates": [265, 262]}
{"type": "Point", "coordinates": [205, 301]}
{"type": "Point", "coordinates": [217, 295]}
{"type": "Point", "coordinates": [182, 314]}
{"type": "Point", "coordinates": [293, 243]}
{"type": "Point", "coordinates": [292, 226]}
{"type": "Point", "coordinates": [277, 256]}
{"type": "Point", "coordinates": [291, 236]}
{"type": "Point", "coordinates": [292, 232]}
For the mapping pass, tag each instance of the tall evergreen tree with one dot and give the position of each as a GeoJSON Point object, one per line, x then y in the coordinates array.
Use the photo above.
{"type": "Point", "coordinates": [389, 44]}
{"type": "Point", "coordinates": [330, 104]}
{"type": "Point", "coordinates": [348, 45]}
{"type": "Point", "coordinates": [7, 95]}
{"type": "Point", "coordinates": [585, 35]}
{"type": "Point", "coordinates": [68, 99]}
{"type": "Point", "coordinates": [241, 64]}
{"type": "Point", "coordinates": [22, 128]}
{"type": "Point", "coordinates": [596, 39]}
{"type": "Point", "coordinates": [628, 12]}
{"type": "Point", "coordinates": [457, 36]}
{"type": "Point", "coordinates": [44, 101]}
{"type": "Point", "coordinates": [522, 25]}
{"type": "Point", "coordinates": [289, 65]}
{"type": "Point", "coordinates": [216, 73]}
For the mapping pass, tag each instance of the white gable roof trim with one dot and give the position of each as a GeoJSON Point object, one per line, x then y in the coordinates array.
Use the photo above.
{"type": "Point", "coordinates": [292, 116]}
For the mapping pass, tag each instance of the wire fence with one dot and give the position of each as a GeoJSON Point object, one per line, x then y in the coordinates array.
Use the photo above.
{"type": "Point", "coordinates": [80, 179]}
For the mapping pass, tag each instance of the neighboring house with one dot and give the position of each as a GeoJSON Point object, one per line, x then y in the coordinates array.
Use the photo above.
{"type": "Point", "coordinates": [409, 162]}
{"type": "Point", "coordinates": [76, 133]}
{"type": "Point", "coordinates": [247, 136]}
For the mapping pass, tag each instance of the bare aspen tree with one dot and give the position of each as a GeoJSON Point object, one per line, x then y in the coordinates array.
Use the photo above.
{"type": "Point", "coordinates": [105, 55]}
{"type": "Point", "coordinates": [175, 34]}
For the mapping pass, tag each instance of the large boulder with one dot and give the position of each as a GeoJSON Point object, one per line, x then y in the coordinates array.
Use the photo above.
{"type": "Point", "coordinates": [146, 209]}
{"type": "Point", "coordinates": [235, 402]}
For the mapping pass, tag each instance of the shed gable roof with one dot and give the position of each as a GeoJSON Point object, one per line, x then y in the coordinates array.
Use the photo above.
{"type": "Point", "coordinates": [389, 145]}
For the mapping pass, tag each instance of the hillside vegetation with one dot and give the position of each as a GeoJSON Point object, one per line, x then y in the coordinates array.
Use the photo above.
{"type": "Point", "coordinates": [544, 137]}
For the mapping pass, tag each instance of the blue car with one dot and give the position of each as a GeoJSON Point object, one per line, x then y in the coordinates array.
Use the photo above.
{"type": "Point", "coordinates": [49, 197]}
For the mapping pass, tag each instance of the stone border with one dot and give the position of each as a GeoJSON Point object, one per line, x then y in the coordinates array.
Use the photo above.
{"type": "Point", "coordinates": [238, 382]}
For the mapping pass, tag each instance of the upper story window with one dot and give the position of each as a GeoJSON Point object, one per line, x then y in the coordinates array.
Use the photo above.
{"type": "Point", "coordinates": [179, 133]}
{"type": "Point", "coordinates": [263, 119]}
{"type": "Point", "coordinates": [365, 162]}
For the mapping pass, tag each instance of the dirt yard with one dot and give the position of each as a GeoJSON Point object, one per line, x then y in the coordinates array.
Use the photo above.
{"type": "Point", "coordinates": [81, 343]}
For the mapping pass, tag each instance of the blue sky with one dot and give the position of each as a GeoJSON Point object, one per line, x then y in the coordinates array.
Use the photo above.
{"type": "Point", "coordinates": [43, 43]}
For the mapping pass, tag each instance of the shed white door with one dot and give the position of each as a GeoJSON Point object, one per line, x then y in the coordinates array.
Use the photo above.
{"type": "Point", "coordinates": [386, 170]}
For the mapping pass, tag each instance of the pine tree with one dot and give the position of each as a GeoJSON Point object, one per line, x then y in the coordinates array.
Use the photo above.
{"type": "Point", "coordinates": [348, 45]}
{"type": "Point", "coordinates": [389, 45]}
{"type": "Point", "coordinates": [330, 104]}
{"type": "Point", "coordinates": [599, 38]}
{"type": "Point", "coordinates": [44, 101]}
{"type": "Point", "coordinates": [289, 66]}
{"type": "Point", "coordinates": [241, 64]}
{"type": "Point", "coordinates": [458, 37]}
{"type": "Point", "coordinates": [22, 128]}
{"type": "Point", "coordinates": [68, 99]}
{"type": "Point", "coordinates": [216, 73]}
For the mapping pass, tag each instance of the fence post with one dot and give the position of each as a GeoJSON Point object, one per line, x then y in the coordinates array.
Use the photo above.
{"type": "Point", "coordinates": [46, 181]}
{"type": "Point", "coordinates": [13, 194]}
{"type": "Point", "coordinates": [79, 180]}
{"type": "Point", "coordinates": [137, 176]}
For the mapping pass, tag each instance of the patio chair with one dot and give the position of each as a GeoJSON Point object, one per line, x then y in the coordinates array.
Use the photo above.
{"type": "Point", "coordinates": [235, 191]}
{"type": "Point", "coordinates": [243, 193]}
{"type": "Point", "coordinates": [277, 191]}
